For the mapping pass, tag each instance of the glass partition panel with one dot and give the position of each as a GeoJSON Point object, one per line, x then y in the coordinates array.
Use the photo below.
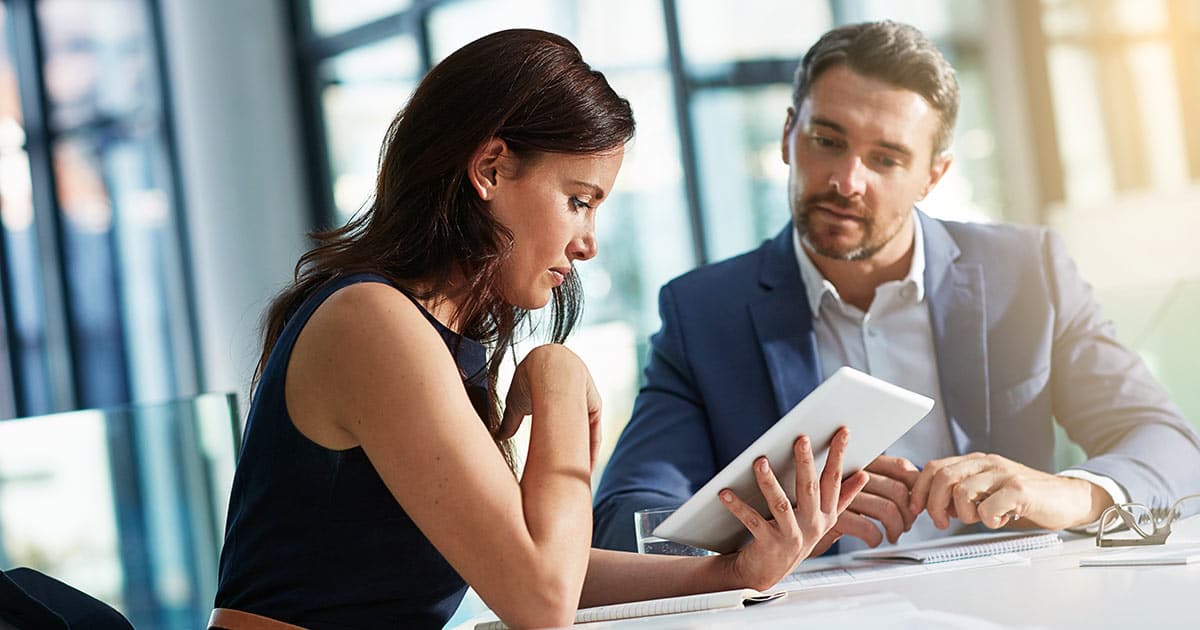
{"type": "Point", "coordinates": [718, 32]}
{"type": "Point", "coordinates": [1159, 322]}
{"type": "Point", "coordinates": [332, 16]}
{"type": "Point", "coordinates": [127, 504]}
{"type": "Point", "coordinates": [743, 179]}
{"type": "Point", "coordinates": [361, 91]}
{"type": "Point", "coordinates": [27, 372]}
{"type": "Point", "coordinates": [98, 60]}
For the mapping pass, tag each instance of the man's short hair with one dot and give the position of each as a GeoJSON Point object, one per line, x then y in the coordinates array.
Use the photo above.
{"type": "Point", "coordinates": [892, 52]}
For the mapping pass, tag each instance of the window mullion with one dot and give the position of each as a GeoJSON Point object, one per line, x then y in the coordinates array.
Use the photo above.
{"type": "Point", "coordinates": [59, 345]}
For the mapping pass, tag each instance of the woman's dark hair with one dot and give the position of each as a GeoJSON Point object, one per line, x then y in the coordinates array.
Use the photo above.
{"type": "Point", "coordinates": [426, 224]}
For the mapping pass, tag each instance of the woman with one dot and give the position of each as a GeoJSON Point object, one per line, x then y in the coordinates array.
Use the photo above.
{"type": "Point", "coordinates": [375, 481]}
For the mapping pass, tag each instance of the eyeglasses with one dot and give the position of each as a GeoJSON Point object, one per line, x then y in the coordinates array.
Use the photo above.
{"type": "Point", "coordinates": [1153, 525]}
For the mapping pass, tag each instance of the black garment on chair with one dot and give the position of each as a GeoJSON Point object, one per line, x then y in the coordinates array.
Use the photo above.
{"type": "Point", "coordinates": [30, 599]}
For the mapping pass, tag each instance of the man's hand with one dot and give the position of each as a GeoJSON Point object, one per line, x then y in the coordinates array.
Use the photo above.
{"type": "Point", "coordinates": [885, 501]}
{"type": "Point", "coordinates": [995, 491]}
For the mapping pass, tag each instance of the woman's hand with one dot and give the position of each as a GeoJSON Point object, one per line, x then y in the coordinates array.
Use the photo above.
{"type": "Point", "coordinates": [791, 534]}
{"type": "Point", "coordinates": [550, 368]}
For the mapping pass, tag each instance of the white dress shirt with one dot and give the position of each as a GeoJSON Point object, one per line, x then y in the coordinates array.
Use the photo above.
{"type": "Point", "coordinates": [893, 340]}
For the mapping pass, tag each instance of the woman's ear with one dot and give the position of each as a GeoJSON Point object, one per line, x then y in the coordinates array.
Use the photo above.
{"type": "Point", "coordinates": [483, 168]}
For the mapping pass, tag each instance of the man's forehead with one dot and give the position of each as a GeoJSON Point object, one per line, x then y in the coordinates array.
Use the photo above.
{"type": "Point", "coordinates": [853, 103]}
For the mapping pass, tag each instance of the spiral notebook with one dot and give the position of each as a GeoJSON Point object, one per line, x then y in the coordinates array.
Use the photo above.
{"type": "Point", "coordinates": [963, 547]}
{"type": "Point", "coordinates": [666, 606]}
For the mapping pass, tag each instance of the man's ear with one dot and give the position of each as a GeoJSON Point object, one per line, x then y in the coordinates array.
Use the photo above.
{"type": "Point", "coordinates": [484, 166]}
{"type": "Point", "coordinates": [937, 169]}
{"type": "Point", "coordinates": [787, 134]}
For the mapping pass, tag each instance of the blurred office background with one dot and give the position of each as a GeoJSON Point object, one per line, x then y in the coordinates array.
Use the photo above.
{"type": "Point", "coordinates": [162, 160]}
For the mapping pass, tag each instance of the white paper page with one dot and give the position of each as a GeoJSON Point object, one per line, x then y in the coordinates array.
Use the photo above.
{"type": "Point", "coordinates": [1150, 555]}
{"type": "Point", "coordinates": [854, 572]}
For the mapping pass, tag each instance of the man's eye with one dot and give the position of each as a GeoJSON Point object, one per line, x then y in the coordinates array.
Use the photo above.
{"type": "Point", "coordinates": [888, 162]}
{"type": "Point", "coordinates": [823, 142]}
{"type": "Point", "coordinates": [579, 204]}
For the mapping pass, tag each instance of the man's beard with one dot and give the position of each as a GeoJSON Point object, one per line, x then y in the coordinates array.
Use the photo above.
{"type": "Point", "coordinates": [865, 248]}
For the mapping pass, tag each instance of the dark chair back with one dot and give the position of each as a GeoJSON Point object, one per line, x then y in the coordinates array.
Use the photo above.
{"type": "Point", "coordinates": [31, 599]}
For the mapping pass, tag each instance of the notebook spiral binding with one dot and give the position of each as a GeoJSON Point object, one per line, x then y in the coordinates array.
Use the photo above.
{"type": "Point", "coordinates": [993, 548]}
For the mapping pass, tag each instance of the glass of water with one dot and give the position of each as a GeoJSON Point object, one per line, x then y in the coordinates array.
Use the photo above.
{"type": "Point", "coordinates": [644, 522]}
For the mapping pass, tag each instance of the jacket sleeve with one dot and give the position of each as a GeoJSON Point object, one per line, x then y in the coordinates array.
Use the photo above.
{"type": "Point", "coordinates": [665, 452]}
{"type": "Point", "coordinates": [1107, 399]}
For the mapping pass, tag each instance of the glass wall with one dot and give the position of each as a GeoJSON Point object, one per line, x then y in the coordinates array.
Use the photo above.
{"type": "Point", "coordinates": [1125, 102]}
{"type": "Point", "coordinates": [94, 287]}
{"type": "Point", "coordinates": [96, 313]}
{"type": "Point", "coordinates": [126, 504]}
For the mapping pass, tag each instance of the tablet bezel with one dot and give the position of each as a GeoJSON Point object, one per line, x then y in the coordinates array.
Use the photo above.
{"type": "Point", "coordinates": [877, 412]}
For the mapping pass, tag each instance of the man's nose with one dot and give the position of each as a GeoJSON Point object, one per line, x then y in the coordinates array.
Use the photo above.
{"type": "Point", "coordinates": [849, 178]}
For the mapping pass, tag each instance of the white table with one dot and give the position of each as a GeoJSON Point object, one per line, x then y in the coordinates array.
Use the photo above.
{"type": "Point", "coordinates": [1051, 591]}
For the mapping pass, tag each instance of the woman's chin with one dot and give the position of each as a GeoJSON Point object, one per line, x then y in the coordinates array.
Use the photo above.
{"type": "Point", "coordinates": [533, 301]}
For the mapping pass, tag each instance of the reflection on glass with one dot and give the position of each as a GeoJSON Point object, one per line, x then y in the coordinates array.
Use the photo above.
{"type": "Point", "coordinates": [89, 262]}
{"type": "Point", "coordinates": [98, 62]}
{"type": "Point", "coordinates": [609, 32]}
{"type": "Point", "coordinates": [27, 324]}
{"type": "Point", "coordinates": [126, 504]}
{"type": "Point", "coordinates": [743, 180]}
{"type": "Point", "coordinates": [1079, 117]}
{"type": "Point", "coordinates": [1158, 321]}
{"type": "Point", "coordinates": [363, 90]}
{"type": "Point", "coordinates": [938, 19]}
{"type": "Point", "coordinates": [1153, 73]}
{"type": "Point", "coordinates": [454, 24]}
{"type": "Point", "coordinates": [11, 135]}
{"type": "Point", "coordinates": [151, 296]}
{"type": "Point", "coordinates": [718, 31]}
{"type": "Point", "coordinates": [332, 16]}
{"type": "Point", "coordinates": [43, 478]}
{"type": "Point", "coordinates": [119, 244]}
{"type": "Point", "coordinates": [1081, 17]}
{"type": "Point", "coordinates": [971, 189]}
{"type": "Point", "coordinates": [1066, 17]}
{"type": "Point", "coordinates": [642, 231]}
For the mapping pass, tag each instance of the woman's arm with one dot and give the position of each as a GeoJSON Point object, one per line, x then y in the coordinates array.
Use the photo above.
{"type": "Point", "coordinates": [369, 370]}
{"type": "Point", "coordinates": [779, 543]}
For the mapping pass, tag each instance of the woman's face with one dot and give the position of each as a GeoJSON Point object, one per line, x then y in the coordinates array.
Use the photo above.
{"type": "Point", "coordinates": [548, 202]}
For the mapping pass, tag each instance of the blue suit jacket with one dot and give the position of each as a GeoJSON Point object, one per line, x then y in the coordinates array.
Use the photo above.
{"type": "Point", "coordinates": [1019, 342]}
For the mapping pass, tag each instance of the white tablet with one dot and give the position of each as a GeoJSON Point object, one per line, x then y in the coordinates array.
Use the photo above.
{"type": "Point", "coordinates": [876, 412]}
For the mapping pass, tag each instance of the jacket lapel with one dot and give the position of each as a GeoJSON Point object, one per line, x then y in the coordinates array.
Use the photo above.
{"type": "Point", "coordinates": [957, 311]}
{"type": "Point", "coordinates": [783, 323]}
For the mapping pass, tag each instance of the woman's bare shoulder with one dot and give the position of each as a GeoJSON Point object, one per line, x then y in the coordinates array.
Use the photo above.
{"type": "Point", "coordinates": [366, 347]}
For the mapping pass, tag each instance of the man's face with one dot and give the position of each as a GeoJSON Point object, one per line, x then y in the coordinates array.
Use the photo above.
{"type": "Point", "coordinates": [861, 154]}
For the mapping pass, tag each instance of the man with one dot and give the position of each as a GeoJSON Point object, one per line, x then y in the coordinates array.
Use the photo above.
{"type": "Point", "coordinates": [993, 322]}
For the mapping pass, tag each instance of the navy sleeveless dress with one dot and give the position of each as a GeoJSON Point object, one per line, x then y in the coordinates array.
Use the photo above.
{"type": "Point", "coordinates": [313, 536]}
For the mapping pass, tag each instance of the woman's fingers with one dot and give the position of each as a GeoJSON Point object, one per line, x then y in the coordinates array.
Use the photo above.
{"type": "Point", "coordinates": [744, 513]}
{"type": "Point", "coordinates": [514, 415]}
{"type": "Point", "coordinates": [808, 490]}
{"type": "Point", "coordinates": [831, 476]}
{"type": "Point", "coordinates": [777, 500]}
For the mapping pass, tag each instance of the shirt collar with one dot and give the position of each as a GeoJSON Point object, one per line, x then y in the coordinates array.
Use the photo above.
{"type": "Point", "coordinates": [816, 286]}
